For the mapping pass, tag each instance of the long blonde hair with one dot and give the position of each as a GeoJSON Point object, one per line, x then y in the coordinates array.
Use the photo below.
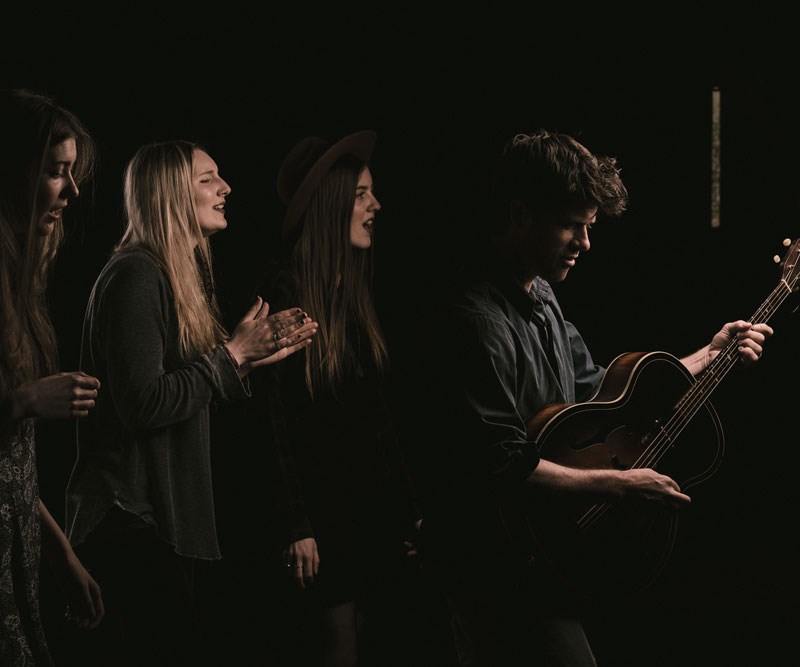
{"type": "Point", "coordinates": [161, 220]}
{"type": "Point", "coordinates": [335, 280]}
{"type": "Point", "coordinates": [31, 124]}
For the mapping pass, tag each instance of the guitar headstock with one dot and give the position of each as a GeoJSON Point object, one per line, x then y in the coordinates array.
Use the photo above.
{"type": "Point", "coordinates": [790, 264]}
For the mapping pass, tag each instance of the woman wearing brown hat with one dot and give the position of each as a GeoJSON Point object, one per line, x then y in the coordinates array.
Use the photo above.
{"type": "Point", "coordinates": [344, 501]}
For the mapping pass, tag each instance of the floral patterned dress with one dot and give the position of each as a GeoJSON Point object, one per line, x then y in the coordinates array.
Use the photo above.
{"type": "Point", "coordinates": [22, 640]}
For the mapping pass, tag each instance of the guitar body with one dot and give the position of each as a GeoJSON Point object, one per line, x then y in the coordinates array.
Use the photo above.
{"type": "Point", "coordinates": [649, 412]}
{"type": "Point", "coordinates": [621, 545]}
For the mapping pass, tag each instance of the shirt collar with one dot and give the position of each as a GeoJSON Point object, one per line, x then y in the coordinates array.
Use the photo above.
{"type": "Point", "coordinates": [525, 303]}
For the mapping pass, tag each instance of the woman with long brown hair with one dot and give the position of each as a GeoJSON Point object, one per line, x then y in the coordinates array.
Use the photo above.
{"type": "Point", "coordinates": [46, 154]}
{"type": "Point", "coordinates": [344, 501]}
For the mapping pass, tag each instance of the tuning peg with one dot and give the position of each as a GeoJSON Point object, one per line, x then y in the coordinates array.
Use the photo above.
{"type": "Point", "coordinates": [776, 259]}
{"type": "Point", "coordinates": [787, 243]}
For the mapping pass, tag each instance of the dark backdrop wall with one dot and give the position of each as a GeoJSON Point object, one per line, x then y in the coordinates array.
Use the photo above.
{"type": "Point", "coordinates": [442, 94]}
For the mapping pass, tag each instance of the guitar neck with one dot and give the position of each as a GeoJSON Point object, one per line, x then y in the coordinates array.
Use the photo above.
{"type": "Point", "coordinates": [727, 358]}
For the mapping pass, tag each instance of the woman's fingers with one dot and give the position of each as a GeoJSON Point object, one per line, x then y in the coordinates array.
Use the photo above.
{"type": "Point", "coordinates": [85, 381]}
{"type": "Point", "coordinates": [302, 561]}
{"type": "Point", "coordinates": [286, 321]}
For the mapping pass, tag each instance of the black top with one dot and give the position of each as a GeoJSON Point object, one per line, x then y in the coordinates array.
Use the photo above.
{"type": "Point", "coordinates": [341, 477]}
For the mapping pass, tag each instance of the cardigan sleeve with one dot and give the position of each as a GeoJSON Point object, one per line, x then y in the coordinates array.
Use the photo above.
{"type": "Point", "coordinates": [133, 312]}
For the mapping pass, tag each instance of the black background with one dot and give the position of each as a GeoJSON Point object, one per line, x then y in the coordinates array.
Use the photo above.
{"type": "Point", "coordinates": [443, 86]}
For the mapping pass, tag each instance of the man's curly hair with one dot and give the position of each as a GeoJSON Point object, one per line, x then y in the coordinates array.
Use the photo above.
{"type": "Point", "coordinates": [548, 170]}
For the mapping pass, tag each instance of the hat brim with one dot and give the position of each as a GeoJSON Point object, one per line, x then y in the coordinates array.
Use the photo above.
{"type": "Point", "coordinates": [359, 144]}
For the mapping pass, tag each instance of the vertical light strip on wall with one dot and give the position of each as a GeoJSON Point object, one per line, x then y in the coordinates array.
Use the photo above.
{"type": "Point", "coordinates": [715, 156]}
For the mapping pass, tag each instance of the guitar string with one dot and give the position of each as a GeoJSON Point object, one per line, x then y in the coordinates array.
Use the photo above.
{"type": "Point", "coordinates": [693, 399]}
{"type": "Point", "coordinates": [663, 441]}
{"type": "Point", "coordinates": [711, 378]}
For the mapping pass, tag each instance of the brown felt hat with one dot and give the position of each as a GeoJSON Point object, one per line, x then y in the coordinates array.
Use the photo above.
{"type": "Point", "coordinates": [307, 164]}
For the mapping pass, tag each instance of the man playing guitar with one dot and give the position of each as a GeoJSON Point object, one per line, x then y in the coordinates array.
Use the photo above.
{"type": "Point", "coordinates": [513, 355]}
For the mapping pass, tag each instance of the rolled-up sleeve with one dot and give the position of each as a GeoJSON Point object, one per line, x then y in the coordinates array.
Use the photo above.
{"type": "Point", "coordinates": [489, 371]}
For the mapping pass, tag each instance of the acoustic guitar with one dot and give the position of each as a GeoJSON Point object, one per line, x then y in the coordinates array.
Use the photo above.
{"type": "Point", "coordinates": [649, 412]}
